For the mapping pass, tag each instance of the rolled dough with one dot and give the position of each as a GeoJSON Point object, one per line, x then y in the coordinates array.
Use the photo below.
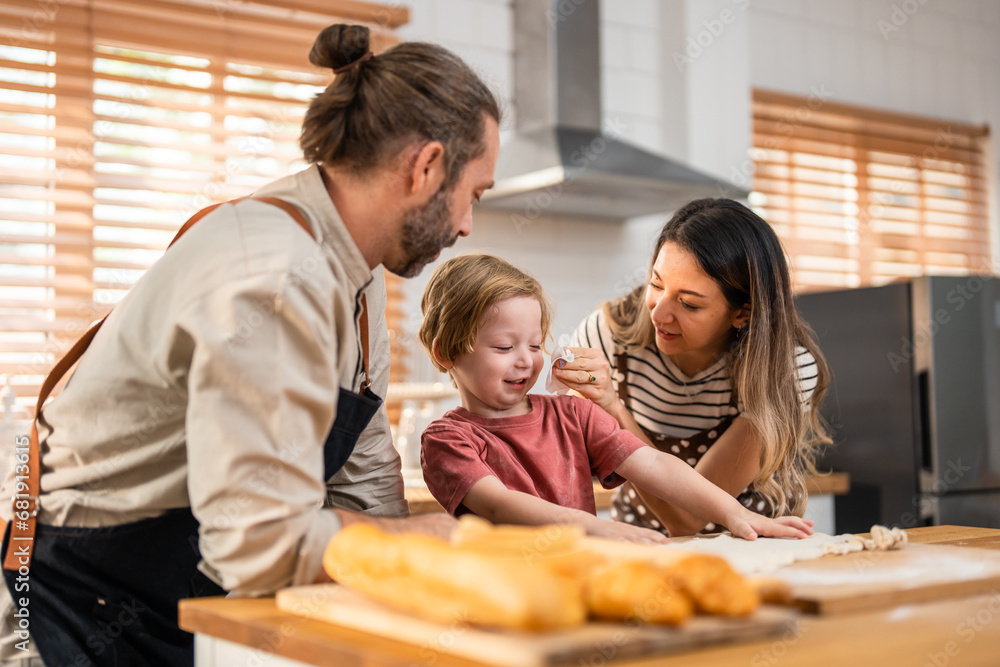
{"type": "Point", "coordinates": [767, 554]}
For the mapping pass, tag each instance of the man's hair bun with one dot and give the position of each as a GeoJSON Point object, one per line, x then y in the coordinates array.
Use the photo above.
{"type": "Point", "coordinates": [376, 105]}
{"type": "Point", "coordinates": [339, 45]}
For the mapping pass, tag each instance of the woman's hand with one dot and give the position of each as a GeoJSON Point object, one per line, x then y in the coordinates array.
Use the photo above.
{"type": "Point", "coordinates": [749, 526]}
{"type": "Point", "coordinates": [589, 375]}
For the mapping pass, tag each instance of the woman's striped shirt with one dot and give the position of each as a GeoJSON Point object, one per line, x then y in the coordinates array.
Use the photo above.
{"type": "Point", "coordinates": [664, 400]}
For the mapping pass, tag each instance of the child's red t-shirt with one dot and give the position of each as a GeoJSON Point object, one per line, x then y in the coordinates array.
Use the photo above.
{"type": "Point", "coordinates": [553, 452]}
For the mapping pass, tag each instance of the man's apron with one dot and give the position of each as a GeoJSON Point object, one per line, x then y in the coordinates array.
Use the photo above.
{"type": "Point", "coordinates": [110, 594]}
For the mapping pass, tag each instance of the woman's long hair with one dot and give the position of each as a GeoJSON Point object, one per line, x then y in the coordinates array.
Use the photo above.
{"type": "Point", "coordinates": [741, 253]}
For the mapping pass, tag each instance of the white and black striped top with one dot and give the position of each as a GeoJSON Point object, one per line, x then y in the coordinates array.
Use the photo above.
{"type": "Point", "coordinates": [664, 400]}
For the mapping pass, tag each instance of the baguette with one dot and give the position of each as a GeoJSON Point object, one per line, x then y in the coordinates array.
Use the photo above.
{"type": "Point", "coordinates": [556, 546]}
{"type": "Point", "coordinates": [427, 576]}
{"type": "Point", "coordinates": [481, 535]}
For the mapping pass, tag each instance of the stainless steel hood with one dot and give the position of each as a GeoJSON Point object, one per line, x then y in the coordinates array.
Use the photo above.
{"type": "Point", "coordinates": [561, 160]}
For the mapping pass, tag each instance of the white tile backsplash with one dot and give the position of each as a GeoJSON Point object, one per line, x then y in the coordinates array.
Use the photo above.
{"type": "Point", "coordinates": [922, 77]}
{"type": "Point", "coordinates": [772, 68]}
{"type": "Point", "coordinates": [495, 67]}
{"type": "Point", "coordinates": [965, 9]}
{"type": "Point", "coordinates": [934, 31]}
{"type": "Point", "coordinates": [980, 41]}
{"type": "Point", "coordinates": [786, 7]}
{"type": "Point", "coordinates": [842, 13]}
{"type": "Point", "coordinates": [975, 89]}
{"type": "Point", "coordinates": [872, 56]}
{"type": "Point", "coordinates": [421, 26]}
{"type": "Point", "coordinates": [638, 13]}
{"type": "Point", "coordinates": [614, 46]}
{"type": "Point", "coordinates": [459, 21]}
{"type": "Point", "coordinates": [643, 52]}
{"type": "Point", "coordinates": [869, 14]}
{"type": "Point", "coordinates": [497, 26]}
{"type": "Point", "coordinates": [897, 77]}
{"type": "Point", "coordinates": [990, 12]}
{"type": "Point", "coordinates": [948, 85]}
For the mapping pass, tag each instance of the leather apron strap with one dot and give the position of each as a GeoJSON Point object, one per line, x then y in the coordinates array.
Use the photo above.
{"type": "Point", "coordinates": [364, 343]}
{"type": "Point", "coordinates": [28, 486]}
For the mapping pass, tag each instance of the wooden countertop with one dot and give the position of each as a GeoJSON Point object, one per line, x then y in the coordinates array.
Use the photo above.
{"type": "Point", "coordinates": [836, 483]}
{"type": "Point", "coordinates": [962, 631]}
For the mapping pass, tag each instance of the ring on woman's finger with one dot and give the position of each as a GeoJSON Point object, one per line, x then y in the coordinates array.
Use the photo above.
{"type": "Point", "coordinates": [592, 378]}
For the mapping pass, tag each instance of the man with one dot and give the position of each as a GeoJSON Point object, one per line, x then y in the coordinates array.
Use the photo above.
{"type": "Point", "coordinates": [226, 420]}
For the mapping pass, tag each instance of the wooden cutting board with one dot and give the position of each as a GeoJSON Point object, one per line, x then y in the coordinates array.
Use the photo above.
{"type": "Point", "coordinates": [594, 643]}
{"type": "Point", "coordinates": [874, 579]}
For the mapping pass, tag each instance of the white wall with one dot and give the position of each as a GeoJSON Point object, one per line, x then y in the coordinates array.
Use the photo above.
{"type": "Point", "coordinates": [679, 74]}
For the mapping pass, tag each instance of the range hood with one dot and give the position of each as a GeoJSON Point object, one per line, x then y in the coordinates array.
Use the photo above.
{"type": "Point", "coordinates": [560, 159]}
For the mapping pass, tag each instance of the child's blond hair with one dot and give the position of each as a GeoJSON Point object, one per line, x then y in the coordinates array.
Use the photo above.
{"type": "Point", "coordinates": [460, 292]}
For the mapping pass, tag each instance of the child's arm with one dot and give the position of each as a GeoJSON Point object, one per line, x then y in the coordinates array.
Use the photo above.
{"type": "Point", "coordinates": [669, 478]}
{"type": "Point", "coordinates": [731, 463]}
{"type": "Point", "coordinates": [493, 501]}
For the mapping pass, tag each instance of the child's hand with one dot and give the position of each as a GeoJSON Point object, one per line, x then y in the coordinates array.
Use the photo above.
{"type": "Point", "coordinates": [749, 526]}
{"type": "Point", "coordinates": [613, 530]}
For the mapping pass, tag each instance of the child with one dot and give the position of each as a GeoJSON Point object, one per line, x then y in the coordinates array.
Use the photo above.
{"type": "Point", "coordinates": [513, 457]}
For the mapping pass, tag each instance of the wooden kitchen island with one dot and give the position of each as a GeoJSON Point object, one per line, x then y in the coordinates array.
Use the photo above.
{"type": "Point", "coordinates": [961, 631]}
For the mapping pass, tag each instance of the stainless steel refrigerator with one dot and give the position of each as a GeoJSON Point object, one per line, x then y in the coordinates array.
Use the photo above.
{"type": "Point", "coordinates": [914, 404]}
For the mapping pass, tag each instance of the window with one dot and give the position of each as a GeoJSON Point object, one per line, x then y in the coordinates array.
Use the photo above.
{"type": "Point", "coordinates": [120, 119]}
{"type": "Point", "coordinates": [862, 197]}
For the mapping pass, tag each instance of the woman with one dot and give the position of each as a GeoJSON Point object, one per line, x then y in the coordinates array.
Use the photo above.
{"type": "Point", "coordinates": [711, 362]}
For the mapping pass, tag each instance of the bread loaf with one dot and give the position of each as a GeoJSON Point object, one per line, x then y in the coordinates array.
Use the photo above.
{"type": "Point", "coordinates": [712, 585]}
{"type": "Point", "coordinates": [533, 578]}
{"type": "Point", "coordinates": [428, 577]}
{"type": "Point", "coordinates": [635, 590]}
{"type": "Point", "coordinates": [555, 546]}
{"type": "Point", "coordinates": [620, 580]}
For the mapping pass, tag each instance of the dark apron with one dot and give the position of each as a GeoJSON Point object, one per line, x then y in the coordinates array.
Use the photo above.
{"type": "Point", "coordinates": [347, 427]}
{"type": "Point", "coordinates": [627, 505]}
{"type": "Point", "coordinates": [110, 594]}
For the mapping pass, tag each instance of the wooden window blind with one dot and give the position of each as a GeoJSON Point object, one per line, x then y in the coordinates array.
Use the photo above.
{"type": "Point", "coordinates": [862, 197]}
{"type": "Point", "coordinates": [118, 120]}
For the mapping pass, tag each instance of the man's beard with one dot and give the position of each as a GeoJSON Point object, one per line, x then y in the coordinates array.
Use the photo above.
{"type": "Point", "coordinates": [426, 230]}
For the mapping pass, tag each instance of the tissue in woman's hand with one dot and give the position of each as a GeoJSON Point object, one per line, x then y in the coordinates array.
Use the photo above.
{"type": "Point", "coordinates": [552, 385]}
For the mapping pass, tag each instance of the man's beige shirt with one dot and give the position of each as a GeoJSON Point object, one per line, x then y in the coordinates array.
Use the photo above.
{"type": "Point", "coordinates": [213, 385]}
